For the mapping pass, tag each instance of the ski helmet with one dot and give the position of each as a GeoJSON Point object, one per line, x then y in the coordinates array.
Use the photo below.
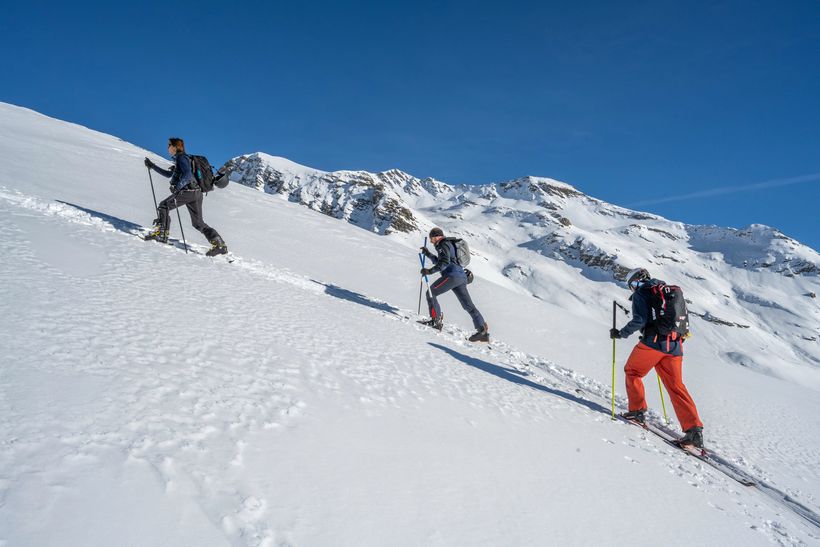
{"type": "Point", "coordinates": [636, 275]}
{"type": "Point", "coordinates": [436, 232]}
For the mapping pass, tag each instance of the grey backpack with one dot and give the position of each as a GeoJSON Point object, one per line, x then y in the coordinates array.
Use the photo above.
{"type": "Point", "coordinates": [462, 251]}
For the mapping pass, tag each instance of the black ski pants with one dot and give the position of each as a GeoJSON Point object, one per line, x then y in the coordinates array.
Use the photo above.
{"type": "Point", "coordinates": [459, 287]}
{"type": "Point", "coordinates": [191, 197]}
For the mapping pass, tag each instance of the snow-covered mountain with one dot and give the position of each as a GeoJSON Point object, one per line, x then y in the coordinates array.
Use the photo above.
{"type": "Point", "coordinates": [556, 219]}
{"type": "Point", "coordinates": [535, 231]}
{"type": "Point", "coordinates": [377, 202]}
{"type": "Point", "coordinates": [149, 397]}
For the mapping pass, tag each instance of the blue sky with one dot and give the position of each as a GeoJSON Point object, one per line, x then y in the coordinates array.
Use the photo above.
{"type": "Point", "coordinates": [637, 103]}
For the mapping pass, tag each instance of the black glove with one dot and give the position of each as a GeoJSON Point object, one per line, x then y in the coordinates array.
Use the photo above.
{"type": "Point", "coordinates": [426, 271]}
{"type": "Point", "coordinates": [426, 252]}
{"type": "Point", "coordinates": [149, 164]}
{"type": "Point", "coordinates": [614, 333]}
{"type": "Point", "coordinates": [172, 189]}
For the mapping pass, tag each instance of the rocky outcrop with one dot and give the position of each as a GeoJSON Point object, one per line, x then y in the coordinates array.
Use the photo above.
{"type": "Point", "coordinates": [579, 252]}
{"type": "Point", "coordinates": [367, 200]}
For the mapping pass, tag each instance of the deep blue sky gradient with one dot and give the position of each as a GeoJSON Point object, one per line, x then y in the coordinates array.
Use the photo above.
{"type": "Point", "coordinates": [628, 101]}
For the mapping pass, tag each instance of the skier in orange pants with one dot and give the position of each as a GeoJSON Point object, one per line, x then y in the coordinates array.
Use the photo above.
{"type": "Point", "coordinates": [663, 352]}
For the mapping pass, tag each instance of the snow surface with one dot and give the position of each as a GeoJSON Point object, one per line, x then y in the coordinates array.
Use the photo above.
{"type": "Point", "coordinates": [149, 397]}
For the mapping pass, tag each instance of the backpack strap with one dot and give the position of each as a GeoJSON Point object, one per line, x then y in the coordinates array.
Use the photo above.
{"type": "Point", "coordinates": [451, 249]}
{"type": "Point", "coordinates": [454, 249]}
{"type": "Point", "coordinates": [649, 293]}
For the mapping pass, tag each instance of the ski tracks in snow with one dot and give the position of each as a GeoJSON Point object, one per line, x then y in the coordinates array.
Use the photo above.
{"type": "Point", "coordinates": [109, 348]}
{"type": "Point", "coordinates": [109, 351]}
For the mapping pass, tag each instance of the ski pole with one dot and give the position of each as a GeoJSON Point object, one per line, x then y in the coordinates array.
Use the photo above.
{"type": "Point", "coordinates": [663, 404]}
{"type": "Point", "coordinates": [615, 307]}
{"type": "Point", "coordinates": [421, 284]}
{"type": "Point", "coordinates": [179, 218]}
{"type": "Point", "coordinates": [156, 207]}
{"type": "Point", "coordinates": [421, 279]}
{"type": "Point", "coordinates": [613, 359]}
{"type": "Point", "coordinates": [626, 311]}
{"type": "Point", "coordinates": [426, 279]}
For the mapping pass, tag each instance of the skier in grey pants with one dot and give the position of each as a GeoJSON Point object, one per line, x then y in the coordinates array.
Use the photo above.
{"type": "Point", "coordinates": [453, 277]}
{"type": "Point", "coordinates": [184, 191]}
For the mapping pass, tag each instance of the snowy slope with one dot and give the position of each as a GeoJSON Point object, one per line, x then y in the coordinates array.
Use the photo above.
{"type": "Point", "coordinates": [536, 235]}
{"type": "Point", "coordinates": [149, 397]}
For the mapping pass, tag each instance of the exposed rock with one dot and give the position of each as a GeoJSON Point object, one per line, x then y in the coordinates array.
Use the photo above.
{"type": "Point", "coordinates": [578, 251]}
{"type": "Point", "coordinates": [363, 199]}
{"type": "Point", "coordinates": [712, 319]}
{"type": "Point", "coordinates": [663, 233]}
{"type": "Point", "coordinates": [672, 258]}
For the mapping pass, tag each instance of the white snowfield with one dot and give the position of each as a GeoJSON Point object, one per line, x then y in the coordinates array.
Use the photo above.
{"type": "Point", "coordinates": [150, 397]}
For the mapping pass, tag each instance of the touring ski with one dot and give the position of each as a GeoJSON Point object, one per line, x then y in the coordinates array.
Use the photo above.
{"type": "Point", "coordinates": [700, 453]}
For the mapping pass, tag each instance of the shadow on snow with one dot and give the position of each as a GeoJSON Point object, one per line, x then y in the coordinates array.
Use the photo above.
{"type": "Point", "coordinates": [122, 225]}
{"type": "Point", "coordinates": [126, 226]}
{"type": "Point", "coordinates": [514, 376]}
{"type": "Point", "coordinates": [356, 298]}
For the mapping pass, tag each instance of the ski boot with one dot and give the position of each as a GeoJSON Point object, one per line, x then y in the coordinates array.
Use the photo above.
{"type": "Point", "coordinates": [692, 437]}
{"type": "Point", "coordinates": [436, 322]}
{"type": "Point", "coordinates": [218, 247]}
{"type": "Point", "coordinates": [481, 335]}
{"type": "Point", "coordinates": [638, 416]}
{"type": "Point", "coordinates": [158, 234]}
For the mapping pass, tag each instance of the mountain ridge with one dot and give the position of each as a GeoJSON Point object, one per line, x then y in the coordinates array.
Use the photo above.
{"type": "Point", "coordinates": [394, 201]}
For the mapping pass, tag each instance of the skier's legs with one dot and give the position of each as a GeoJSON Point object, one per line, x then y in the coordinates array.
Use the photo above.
{"type": "Point", "coordinates": [194, 203]}
{"type": "Point", "coordinates": [439, 287]}
{"type": "Point", "coordinates": [460, 290]}
{"type": "Point", "coordinates": [670, 369]}
{"type": "Point", "coordinates": [640, 362]}
{"type": "Point", "coordinates": [432, 305]}
{"type": "Point", "coordinates": [164, 208]}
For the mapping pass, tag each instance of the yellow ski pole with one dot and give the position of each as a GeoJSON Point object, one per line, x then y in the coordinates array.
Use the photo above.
{"type": "Point", "coordinates": [663, 404]}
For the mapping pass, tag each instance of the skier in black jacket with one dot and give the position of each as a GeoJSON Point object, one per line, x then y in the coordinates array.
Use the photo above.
{"type": "Point", "coordinates": [663, 353]}
{"type": "Point", "coordinates": [184, 191]}
{"type": "Point", "coordinates": [453, 277]}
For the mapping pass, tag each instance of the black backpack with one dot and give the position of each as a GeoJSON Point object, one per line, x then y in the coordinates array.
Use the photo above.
{"type": "Point", "coordinates": [203, 173]}
{"type": "Point", "coordinates": [668, 308]}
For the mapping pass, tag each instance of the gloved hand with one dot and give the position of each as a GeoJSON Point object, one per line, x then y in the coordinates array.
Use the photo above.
{"type": "Point", "coordinates": [172, 189]}
{"type": "Point", "coordinates": [426, 252]}
{"type": "Point", "coordinates": [614, 333]}
{"type": "Point", "coordinates": [149, 164]}
{"type": "Point", "coordinates": [426, 271]}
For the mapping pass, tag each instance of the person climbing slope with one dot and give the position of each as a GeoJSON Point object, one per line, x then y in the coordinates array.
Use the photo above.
{"type": "Point", "coordinates": [453, 277]}
{"type": "Point", "coordinates": [185, 190]}
{"type": "Point", "coordinates": [659, 312]}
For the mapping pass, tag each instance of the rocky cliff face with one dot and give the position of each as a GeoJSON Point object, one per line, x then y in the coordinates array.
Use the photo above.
{"type": "Point", "coordinates": [374, 202]}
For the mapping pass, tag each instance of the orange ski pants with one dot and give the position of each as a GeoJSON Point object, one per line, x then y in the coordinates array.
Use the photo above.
{"type": "Point", "coordinates": [640, 362]}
